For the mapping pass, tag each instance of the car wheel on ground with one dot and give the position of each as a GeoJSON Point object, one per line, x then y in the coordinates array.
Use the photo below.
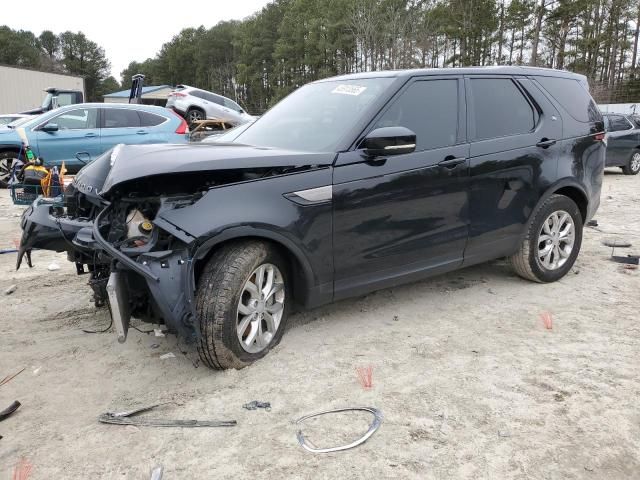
{"type": "Point", "coordinates": [7, 159]}
{"type": "Point", "coordinates": [242, 304]}
{"type": "Point", "coordinates": [194, 114]}
{"type": "Point", "coordinates": [552, 241]}
{"type": "Point", "coordinates": [633, 166]}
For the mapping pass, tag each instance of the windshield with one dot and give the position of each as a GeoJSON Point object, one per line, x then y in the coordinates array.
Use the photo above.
{"type": "Point", "coordinates": [19, 121]}
{"type": "Point", "coordinates": [47, 101]}
{"type": "Point", "coordinates": [315, 117]}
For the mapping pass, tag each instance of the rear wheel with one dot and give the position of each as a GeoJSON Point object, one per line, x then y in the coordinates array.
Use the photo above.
{"type": "Point", "coordinates": [633, 165]}
{"type": "Point", "coordinates": [194, 114]}
{"type": "Point", "coordinates": [552, 242]}
{"type": "Point", "coordinates": [7, 160]}
{"type": "Point", "coordinates": [242, 304]}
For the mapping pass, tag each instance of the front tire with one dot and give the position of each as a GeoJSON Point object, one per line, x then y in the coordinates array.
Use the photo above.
{"type": "Point", "coordinates": [242, 304]}
{"type": "Point", "coordinates": [552, 242]}
{"type": "Point", "coordinates": [7, 159]}
{"type": "Point", "coordinates": [633, 165]}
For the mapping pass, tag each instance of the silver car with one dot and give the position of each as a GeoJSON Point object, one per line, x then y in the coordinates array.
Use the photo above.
{"type": "Point", "coordinates": [195, 104]}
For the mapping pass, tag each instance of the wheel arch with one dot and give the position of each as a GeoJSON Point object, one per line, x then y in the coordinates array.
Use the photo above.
{"type": "Point", "coordinates": [568, 188]}
{"type": "Point", "coordinates": [302, 277]}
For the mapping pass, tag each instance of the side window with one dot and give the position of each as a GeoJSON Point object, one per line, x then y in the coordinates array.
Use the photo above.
{"type": "Point", "coordinates": [81, 118]}
{"type": "Point", "coordinates": [65, 99]}
{"type": "Point", "coordinates": [197, 93]}
{"type": "Point", "coordinates": [150, 120]}
{"type": "Point", "coordinates": [618, 123]}
{"type": "Point", "coordinates": [232, 105]}
{"type": "Point", "coordinates": [120, 118]}
{"type": "Point", "coordinates": [573, 97]}
{"type": "Point", "coordinates": [500, 109]}
{"type": "Point", "coordinates": [217, 99]}
{"type": "Point", "coordinates": [430, 109]}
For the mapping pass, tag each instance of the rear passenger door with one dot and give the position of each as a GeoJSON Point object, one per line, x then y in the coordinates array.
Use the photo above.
{"type": "Point", "coordinates": [621, 140]}
{"type": "Point", "coordinates": [121, 125]}
{"type": "Point", "coordinates": [514, 131]}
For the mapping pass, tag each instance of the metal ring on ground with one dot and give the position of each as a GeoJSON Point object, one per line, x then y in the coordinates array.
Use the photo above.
{"type": "Point", "coordinates": [377, 421]}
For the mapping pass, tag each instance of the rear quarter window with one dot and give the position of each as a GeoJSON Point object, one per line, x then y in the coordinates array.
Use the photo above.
{"type": "Point", "coordinates": [150, 119]}
{"type": "Point", "coordinates": [573, 97]}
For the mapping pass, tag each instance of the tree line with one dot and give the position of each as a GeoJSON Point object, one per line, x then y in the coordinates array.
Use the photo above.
{"type": "Point", "coordinates": [288, 43]}
{"type": "Point", "coordinates": [69, 52]}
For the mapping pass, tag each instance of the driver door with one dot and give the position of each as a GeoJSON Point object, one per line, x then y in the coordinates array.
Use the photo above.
{"type": "Point", "coordinates": [77, 137]}
{"type": "Point", "coordinates": [402, 217]}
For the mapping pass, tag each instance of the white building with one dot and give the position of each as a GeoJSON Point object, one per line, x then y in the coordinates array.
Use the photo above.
{"type": "Point", "coordinates": [24, 89]}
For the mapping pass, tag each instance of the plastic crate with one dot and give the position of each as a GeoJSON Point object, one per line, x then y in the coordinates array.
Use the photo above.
{"type": "Point", "coordinates": [25, 194]}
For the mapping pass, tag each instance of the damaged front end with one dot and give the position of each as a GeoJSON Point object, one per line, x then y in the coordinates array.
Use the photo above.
{"type": "Point", "coordinates": [138, 219]}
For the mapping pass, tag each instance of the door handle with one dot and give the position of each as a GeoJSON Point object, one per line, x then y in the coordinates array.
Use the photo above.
{"type": "Point", "coordinates": [546, 142]}
{"type": "Point", "coordinates": [142, 132]}
{"type": "Point", "coordinates": [90, 135]}
{"type": "Point", "coordinates": [452, 162]}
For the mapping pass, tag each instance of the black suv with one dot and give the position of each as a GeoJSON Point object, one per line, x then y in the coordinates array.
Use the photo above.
{"type": "Point", "coordinates": [623, 142]}
{"type": "Point", "coordinates": [348, 185]}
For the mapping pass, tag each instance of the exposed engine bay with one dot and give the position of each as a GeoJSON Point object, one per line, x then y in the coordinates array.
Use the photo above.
{"type": "Point", "coordinates": [138, 263]}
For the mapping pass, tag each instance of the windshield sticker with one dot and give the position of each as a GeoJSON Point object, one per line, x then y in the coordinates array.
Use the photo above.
{"type": "Point", "coordinates": [349, 89]}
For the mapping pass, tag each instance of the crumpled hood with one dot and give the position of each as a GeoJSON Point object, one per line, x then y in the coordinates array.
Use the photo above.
{"type": "Point", "coordinates": [130, 162]}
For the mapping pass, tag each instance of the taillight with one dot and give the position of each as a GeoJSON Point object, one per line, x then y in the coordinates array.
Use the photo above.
{"type": "Point", "coordinates": [599, 137]}
{"type": "Point", "coordinates": [177, 94]}
{"type": "Point", "coordinates": [183, 127]}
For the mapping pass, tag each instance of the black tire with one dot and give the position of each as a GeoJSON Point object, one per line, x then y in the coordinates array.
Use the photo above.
{"type": "Point", "coordinates": [6, 162]}
{"type": "Point", "coordinates": [525, 261]}
{"type": "Point", "coordinates": [633, 164]}
{"type": "Point", "coordinates": [194, 114]}
{"type": "Point", "coordinates": [218, 294]}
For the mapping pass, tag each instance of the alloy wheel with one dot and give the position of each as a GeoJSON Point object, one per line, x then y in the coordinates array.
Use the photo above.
{"type": "Point", "coordinates": [6, 164]}
{"type": "Point", "coordinates": [555, 240]}
{"type": "Point", "coordinates": [260, 308]}
{"type": "Point", "coordinates": [195, 115]}
{"type": "Point", "coordinates": [635, 162]}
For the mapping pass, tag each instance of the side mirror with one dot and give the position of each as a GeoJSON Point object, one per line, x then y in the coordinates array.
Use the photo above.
{"type": "Point", "coordinates": [387, 141]}
{"type": "Point", "coordinates": [50, 127]}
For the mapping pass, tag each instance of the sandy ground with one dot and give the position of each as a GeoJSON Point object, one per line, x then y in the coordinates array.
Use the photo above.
{"type": "Point", "coordinates": [470, 382]}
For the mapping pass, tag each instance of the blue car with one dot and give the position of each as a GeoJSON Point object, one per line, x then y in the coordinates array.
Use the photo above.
{"type": "Point", "coordinates": [76, 134]}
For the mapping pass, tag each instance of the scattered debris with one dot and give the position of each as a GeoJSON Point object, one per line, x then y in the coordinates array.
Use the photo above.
{"type": "Point", "coordinates": [547, 320]}
{"type": "Point", "coordinates": [365, 376]}
{"type": "Point", "coordinates": [503, 434]}
{"type": "Point", "coordinates": [377, 421]}
{"type": "Point", "coordinates": [256, 404]}
{"type": "Point", "coordinates": [592, 223]}
{"type": "Point", "coordinates": [616, 243]}
{"type": "Point", "coordinates": [629, 259]}
{"type": "Point", "coordinates": [53, 267]}
{"type": "Point", "coordinates": [36, 370]}
{"type": "Point", "coordinates": [158, 332]}
{"type": "Point", "coordinates": [11, 289]}
{"type": "Point", "coordinates": [124, 418]}
{"type": "Point", "coordinates": [491, 291]}
{"type": "Point", "coordinates": [156, 473]}
{"type": "Point", "coordinates": [396, 318]}
{"type": "Point", "coordinates": [8, 378]}
{"type": "Point", "coordinates": [8, 250]}
{"type": "Point", "coordinates": [7, 412]}
{"type": "Point", "coordinates": [588, 468]}
{"type": "Point", "coordinates": [167, 355]}
{"type": "Point", "coordinates": [22, 470]}
{"type": "Point", "coordinates": [154, 345]}
{"type": "Point", "coordinates": [627, 266]}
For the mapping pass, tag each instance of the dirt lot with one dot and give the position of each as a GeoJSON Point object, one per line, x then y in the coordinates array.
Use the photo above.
{"type": "Point", "coordinates": [470, 382]}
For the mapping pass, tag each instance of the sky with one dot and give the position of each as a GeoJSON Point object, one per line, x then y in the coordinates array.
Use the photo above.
{"type": "Point", "coordinates": [127, 30]}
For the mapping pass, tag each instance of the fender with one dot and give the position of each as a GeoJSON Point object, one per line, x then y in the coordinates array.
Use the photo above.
{"type": "Point", "coordinates": [309, 295]}
{"type": "Point", "coordinates": [551, 189]}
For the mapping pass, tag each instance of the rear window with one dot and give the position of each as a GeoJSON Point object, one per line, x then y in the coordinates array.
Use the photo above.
{"type": "Point", "coordinates": [150, 119]}
{"type": "Point", "coordinates": [573, 97]}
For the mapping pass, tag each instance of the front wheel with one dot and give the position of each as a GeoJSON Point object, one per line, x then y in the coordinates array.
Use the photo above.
{"type": "Point", "coordinates": [633, 165]}
{"type": "Point", "coordinates": [242, 304]}
{"type": "Point", "coordinates": [7, 161]}
{"type": "Point", "coordinates": [552, 242]}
